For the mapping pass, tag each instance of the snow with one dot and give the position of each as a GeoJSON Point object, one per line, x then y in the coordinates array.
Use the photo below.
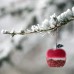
{"type": "Point", "coordinates": [32, 60]}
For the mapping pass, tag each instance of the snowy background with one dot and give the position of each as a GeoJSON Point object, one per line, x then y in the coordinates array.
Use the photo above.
{"type": "Point", "coordinates": [26, 55]}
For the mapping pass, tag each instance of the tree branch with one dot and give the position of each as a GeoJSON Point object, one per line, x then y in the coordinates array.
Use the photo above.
{"type": "Point", "coordinates": [47, 25]}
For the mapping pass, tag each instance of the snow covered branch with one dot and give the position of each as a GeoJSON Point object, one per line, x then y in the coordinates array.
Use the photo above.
{"type": "Point", "coordinates": [47, 25]}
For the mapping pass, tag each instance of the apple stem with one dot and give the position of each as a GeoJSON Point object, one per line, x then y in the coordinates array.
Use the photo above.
{"type": "Point", "coordinates": [59, 46]}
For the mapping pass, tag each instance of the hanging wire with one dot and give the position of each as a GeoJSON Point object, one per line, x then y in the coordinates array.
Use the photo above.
{"type": "Point", "coordinates": [56, 37]}
{"type": "Point", "coordinates": [58, 45]}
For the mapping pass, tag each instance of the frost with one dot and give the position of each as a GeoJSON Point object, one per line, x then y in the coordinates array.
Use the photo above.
{"type": "Point", "coordinates": [34, 28]}
{"type": "Point", "coordinates": [39, 27]}
{"type": "Point", "coordinates": [2, 31]}
{"type": "Point", "coordinates": [53, 21]}
{"type": "Point", "coordinates": [45, 23]}
{"type": "Point", "coordinates": [69, 14]}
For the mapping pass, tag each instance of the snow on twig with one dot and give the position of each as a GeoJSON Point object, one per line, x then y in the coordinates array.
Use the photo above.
{"type": "Point", "coordinates": [47, 25]}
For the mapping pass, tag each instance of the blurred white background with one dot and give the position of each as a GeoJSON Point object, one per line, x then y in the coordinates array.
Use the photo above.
{"type": "Point", "coordinates": [27, 54]}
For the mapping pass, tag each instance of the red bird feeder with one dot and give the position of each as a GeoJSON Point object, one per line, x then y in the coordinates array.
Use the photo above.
{"type": "Point", "coordinates": [56, 58]}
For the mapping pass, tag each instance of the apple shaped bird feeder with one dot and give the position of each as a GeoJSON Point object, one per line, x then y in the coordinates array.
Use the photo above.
{"type": "Point", "coordinates": [56, 57]}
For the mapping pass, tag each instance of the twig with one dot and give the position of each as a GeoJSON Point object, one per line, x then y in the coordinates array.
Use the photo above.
{"type": "Point", "coordinates": [47, 25]}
